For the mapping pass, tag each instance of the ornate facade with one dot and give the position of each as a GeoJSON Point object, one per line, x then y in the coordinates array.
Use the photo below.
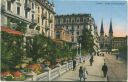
{"type": "Point", "coordinates": [62, 34]}
{"type": "Point", "coordinates": [74, 25]}
{"type": "Point", "coordinates": [37, 15]}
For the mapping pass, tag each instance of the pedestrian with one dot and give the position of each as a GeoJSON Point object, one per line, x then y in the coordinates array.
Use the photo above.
{"type": "Point", "coordinates": [91, 60]}
{"type": "Point", "coordinates": [117, 56]}
{"type": "Point", "coordinates": [85, 73]}
{"type": "Point", "coordinates": [104, 69]}
{"type": "Point", "coordinates": [74, 64]}
{"type": "Point", "coordinates": [81, 73]}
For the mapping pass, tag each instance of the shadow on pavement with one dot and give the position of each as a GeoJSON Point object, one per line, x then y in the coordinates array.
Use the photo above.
{"type": "Point", "coordinates": [96, 76]}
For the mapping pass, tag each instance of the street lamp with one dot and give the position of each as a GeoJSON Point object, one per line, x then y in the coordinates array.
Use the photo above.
{"type": "Point", "coordinates": [80, 39]}
{"type": "Point", "coordinates": [77, 48]}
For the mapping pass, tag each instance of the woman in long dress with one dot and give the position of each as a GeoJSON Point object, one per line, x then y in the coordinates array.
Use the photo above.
{"type": "Point", "coordinates": [85, 73]}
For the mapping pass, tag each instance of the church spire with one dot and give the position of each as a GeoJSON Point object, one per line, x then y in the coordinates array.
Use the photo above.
{"type": "Point", "coordinates": [102, 29]}
{"type": "Point", "coordinates": [110, 29]}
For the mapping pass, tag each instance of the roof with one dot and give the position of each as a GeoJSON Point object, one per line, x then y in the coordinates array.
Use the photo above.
{"type": "Point", "coordinates": [11, 31]}
{"type": "Point", "coordinates": [119, 38]}
{"type": "Point", "coordinates": [73, 15]}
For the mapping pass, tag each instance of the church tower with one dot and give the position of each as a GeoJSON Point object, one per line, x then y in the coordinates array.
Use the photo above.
{"type": "Point", "coordinates": [110, 35]}
{"type": "Point", "coordinates": [102, 35]}
{"type": "Point", "coordinates": [110, 29]}
{"type": "Point", "coordinates": [102, 29]}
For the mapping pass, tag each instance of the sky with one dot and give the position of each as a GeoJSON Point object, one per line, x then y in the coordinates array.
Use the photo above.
{"type": "Point", "coordinates": [106, 10]}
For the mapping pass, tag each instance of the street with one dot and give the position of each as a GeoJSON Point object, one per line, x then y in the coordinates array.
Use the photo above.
{"type": "Point", "coordinates": [117, 69]}
{"type": "Point", "coordinates": [94, 71]}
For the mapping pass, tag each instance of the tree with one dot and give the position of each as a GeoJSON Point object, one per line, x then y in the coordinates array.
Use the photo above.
{"type": "Point", "coordinates": [11, 51]}
{"type": "Point", "coordinates": [40, 47]}
{"type": "Point", "coordinates": [87, 41]}
{"type": "Point", "coordinates": [35, 47]}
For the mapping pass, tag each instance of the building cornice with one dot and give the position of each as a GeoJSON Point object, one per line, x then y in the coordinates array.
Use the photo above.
{"type": "Point", "coordinates": [74, 15]}
{"type": "Point", "coordinates": [10, 14]}
{"type": "Point", "coordinates": [47, 5]}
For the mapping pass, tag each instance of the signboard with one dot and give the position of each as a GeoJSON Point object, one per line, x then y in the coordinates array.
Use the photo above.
{"type": "Point", "coordinates": [31, 32]}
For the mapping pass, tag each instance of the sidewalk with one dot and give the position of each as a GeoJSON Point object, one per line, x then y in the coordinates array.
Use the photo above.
{"type": "Point", "coordinates": [117, 68]}
{"type": "Point", "coordinates": [94, 72]}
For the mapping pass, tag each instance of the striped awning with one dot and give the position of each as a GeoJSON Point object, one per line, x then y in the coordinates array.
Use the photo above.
{"type": "Point", "coordinates": [10, 31]}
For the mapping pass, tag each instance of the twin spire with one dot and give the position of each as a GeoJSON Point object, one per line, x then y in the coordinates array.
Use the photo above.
{"type": "Point", "coordinates": [102, 28]}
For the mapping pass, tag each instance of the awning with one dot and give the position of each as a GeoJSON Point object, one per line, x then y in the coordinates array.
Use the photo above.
{"type": "Point", "coordinates": [11, 31]}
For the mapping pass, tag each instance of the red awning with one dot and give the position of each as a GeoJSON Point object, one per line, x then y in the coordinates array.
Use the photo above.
{"type": "Point", "coordinates": [11, 31]}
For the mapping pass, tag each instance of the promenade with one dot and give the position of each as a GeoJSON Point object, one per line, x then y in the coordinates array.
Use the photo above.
{"type": "Point", "coordinates": [94, 71]}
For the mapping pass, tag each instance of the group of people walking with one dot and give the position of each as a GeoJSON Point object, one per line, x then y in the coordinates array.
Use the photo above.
{"type": "Point", "coordinates": [83, 72]}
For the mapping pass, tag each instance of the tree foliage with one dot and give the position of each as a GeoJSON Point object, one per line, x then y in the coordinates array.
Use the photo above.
{"type": "Point", "coordinates": [87, 40]}
{"type": "Point", "coordinates": [11, 50]}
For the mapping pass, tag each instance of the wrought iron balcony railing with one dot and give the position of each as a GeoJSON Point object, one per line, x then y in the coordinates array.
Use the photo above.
{"type": "Point", "coordinates": [27, 7]}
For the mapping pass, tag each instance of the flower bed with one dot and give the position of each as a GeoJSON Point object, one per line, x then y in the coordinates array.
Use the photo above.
{"type": "Point", "coordinates": [36, 68]}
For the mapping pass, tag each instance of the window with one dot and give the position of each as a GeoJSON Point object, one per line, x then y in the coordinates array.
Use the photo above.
{"type": "Point", "coordinates": [81, 19]}
{"type": "Point", "coordinates": [84, 19]}
{"type": "Point", "coordinates": [57, 35]}
{"type": "Point", "coordinates": [38, 9]}
{"type": "Point", "coordinates": [38, 19]}
{"type": "Point", "coordinates": [67, 21]}
{"type": "Point", "coordinates": [72, 39]}
{"type": "Point", "coordinates": [32, 17]}
{"type": "Point", "coordinates": [77, 20]}
{"type": "Point", "coordinates": [72, 20]}
{"type": "Point", "coordinates": [58, 21]}
{"type": "Point", "coordinates": [42, 21]}
{"type": "Point", "coordinates": [26, 14]}
{"type": "Point", "coordinates": [72, 32]}
{"type": "Point", "coordinates": [18, 10]}
{"type": "Point", "coordinates": [78, 33]}
{"type": "Point", "coordinates": [78, 27]}
{"type": "Point", "coordinates": [72, 28]}
{"type": "Point", "coordinates": [67, 27]}
{"type": "Point", "coordinates": [9, 5]}
{"type": "Point", "coordinates": [64, 20]}
{"type": "Point", "coordinates": [26, 1]}
{"type": "Point", "coordinates": [32, 5]}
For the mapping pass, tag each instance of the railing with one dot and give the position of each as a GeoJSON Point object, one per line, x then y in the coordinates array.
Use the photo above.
{"type": "Point", "coordinates": [56, 72]}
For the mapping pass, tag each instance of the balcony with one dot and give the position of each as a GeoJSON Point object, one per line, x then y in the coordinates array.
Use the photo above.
{"type": "Point", "coordinates": [27, 7]}
{"type": "Point", "coordinates": [50, 20]}
{"type": "Point", "coordinates": [34, 21]}
{"type": "Point", "coordinates": [44, 16]}
{"type": "Point", "coordinates": [18, 2]}
{"type": "Point", "coordinates": [11, 1]}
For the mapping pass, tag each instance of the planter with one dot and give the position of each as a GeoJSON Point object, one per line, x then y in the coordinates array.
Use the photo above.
{"type": "Point", "coordinates": [3, 74]}
{"type": "Point", "coordinates": [17, 74]}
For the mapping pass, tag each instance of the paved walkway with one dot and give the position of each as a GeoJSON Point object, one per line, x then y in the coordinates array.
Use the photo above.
{"type": "Point", "coordinates": [117, 69]}
{"type": "Point", "coordinates": [94, 72]}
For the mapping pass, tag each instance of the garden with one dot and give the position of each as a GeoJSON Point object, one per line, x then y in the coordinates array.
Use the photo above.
{"type": "Point", "coordinates": [21, 59]}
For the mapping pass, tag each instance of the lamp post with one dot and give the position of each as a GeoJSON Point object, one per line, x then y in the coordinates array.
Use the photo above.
{"type": "Point", "coordinates": [80, 39]}
{"type": "Point", "coordinates": [77, 48]}
{"type": "Point", "coordinates": [80, 49]}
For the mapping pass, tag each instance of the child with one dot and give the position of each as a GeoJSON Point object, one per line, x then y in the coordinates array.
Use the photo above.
{"type": "Point", "coordinates": [85, 73]}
